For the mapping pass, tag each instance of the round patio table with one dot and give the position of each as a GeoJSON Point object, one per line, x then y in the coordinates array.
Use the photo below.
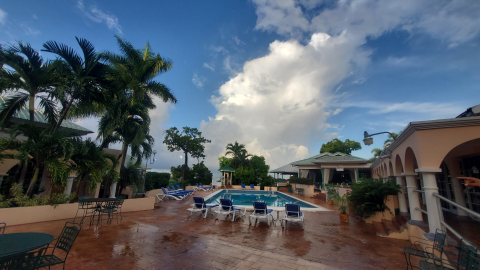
{"type": "Point", "coordinates": [15, 243]}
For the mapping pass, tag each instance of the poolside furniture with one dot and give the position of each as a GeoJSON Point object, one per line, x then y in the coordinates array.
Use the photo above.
{"type": "Point", "coordinates": [293, 214]}
{"type": "Point", "coordinates": [26, 260]}
{"type": "Point", "coordinates": [227, 208]}
{"type": "Point", "coordinates": [243, 186]}
{"type": "Point", "coordinates": [169, 195]}
{"type": "Point", "coordinates": [110, 208]}
{"type": "Point", "coordinates": [473, 262]}
{"type": "Point", "coordinates": [64, 243]}
{"type": "Point", "coordinates": [438, 244]}
{"type": "Point", "coordinates": [252, 186]}
{"type": "Point", "coordinates": [200, 206]}
{"type": "Point", "coordinates": [464, 251]}
{"type": "Point", "coordinates": [190, 192]}
{"type": "Point", "coordinates": [260, 211]}
{"type": "Point", "coordinates": [87, 207]}
{"type": "Point", "coordinates": [3, 225]}
{"type": "Point", "coordinates": [19, 243]}
{"type": "Point", "coordinates": [178, 188]}
{"type": "Point", "coordinates": [206, 188]}
{"type": "Point", "coordinates": [120, 200]}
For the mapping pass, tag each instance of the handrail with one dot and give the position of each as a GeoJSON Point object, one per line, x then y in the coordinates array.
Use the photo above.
{"type": "Point", "coordinates": [423, 211]}
{"type": "Point", "coordinates": [457, 205]}
{"type": "Point", "coordinates": [419, 191]}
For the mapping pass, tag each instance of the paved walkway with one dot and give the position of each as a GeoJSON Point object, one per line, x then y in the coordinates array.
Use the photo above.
{"type": "Point", "coordinates": [166, 238]}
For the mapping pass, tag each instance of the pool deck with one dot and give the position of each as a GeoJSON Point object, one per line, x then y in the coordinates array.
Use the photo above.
{"type": "Point", "coordinates": [167, 238]}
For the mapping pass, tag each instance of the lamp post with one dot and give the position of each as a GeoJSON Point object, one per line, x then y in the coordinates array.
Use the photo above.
{"type": "Point", "coordinates": [146, 165]}
{"type": "Point", "coordinates": [368, 140]}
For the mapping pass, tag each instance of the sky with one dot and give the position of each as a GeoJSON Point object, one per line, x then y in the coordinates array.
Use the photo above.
{"type": "Point", "coordinates": [280, 76]}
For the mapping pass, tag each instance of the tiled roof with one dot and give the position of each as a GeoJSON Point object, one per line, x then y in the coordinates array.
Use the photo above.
{"type": "Point", "coordinates": [40, 118]}
{"type": "Point", "coordinates": [226, 168]}
{"type": "Point", "coordinates": [330, 158]}
{"type": "Point", "coordinates": [286, 169]}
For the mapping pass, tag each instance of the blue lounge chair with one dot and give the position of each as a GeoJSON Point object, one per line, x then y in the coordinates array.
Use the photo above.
{"type": "Point", "coordinates": [205, 188]}
{"type": "Point", "coordinates": [190, 192]}
{"type": "Point", "coordinates": [252, 186]}
{"type": "Point", "coordinates": [178, 188]}
{"type": "Point", "coordinates": [243, 186]}
{"type": "Point", "coordinates": [293, 214]}
{"type": "Point", "coordinates": [227, 208]}
{"type": "Point", "coordinates": [260, 211]}
{"type": "Point", "coordinates": [171, 195]}
{"type": "Point", "coordinates": [200, 206]}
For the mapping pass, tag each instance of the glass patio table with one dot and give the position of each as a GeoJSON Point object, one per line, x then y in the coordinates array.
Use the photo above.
{"type": "Point", "coordinates": [15, 243]}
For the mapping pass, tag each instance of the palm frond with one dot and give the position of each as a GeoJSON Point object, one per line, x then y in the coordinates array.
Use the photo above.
{"type": "Point", "coordinates": [66, 53]}
{"type": "Point", "coordinates": [12, 105]}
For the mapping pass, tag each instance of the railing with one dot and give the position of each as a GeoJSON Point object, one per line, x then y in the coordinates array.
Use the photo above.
{"type": "Point", "coordinates": [423, 211]}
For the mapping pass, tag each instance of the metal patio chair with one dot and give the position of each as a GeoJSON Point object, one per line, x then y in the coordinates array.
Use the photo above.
{"type": "Point", "coordinates": [473, 262]}
{"type": "Point", "coordinates": [3, 225]}
{"type": "Point", "coordinates": [110, 208]}
{"type": "Point", "coordinates": [120, 200]}
{"type": "Point", "coordinates": [438, 244]}
{"type": "Point", "coordinates": [86, 207]}
{"type": "Point", "coordinates": [464, 251]}
{"type": "Point", "coordinates": [23, 261]}
{"type": "Point", "coordinates": [64, 242]}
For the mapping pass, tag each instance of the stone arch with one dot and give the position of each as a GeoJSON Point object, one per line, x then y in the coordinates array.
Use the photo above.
{"type": "Point", "coordinates": [471, 147]}
{"type": "Point", "coordinates": [7, 165]}
{"type": "Point", "coordinates": [390, 169]}
{"type": "Point", "coordinates": [398, 165]}
{"type": "Point", "coordinates": [410, 161]}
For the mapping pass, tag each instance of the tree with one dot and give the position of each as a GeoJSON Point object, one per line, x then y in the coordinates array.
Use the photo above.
{"type": "Point", "coordinates": [27, 71]}
{"type": "Point", "coordinates": [235, 149]}
{"type": "Point", "coordinates": [155, 180]}
{"type": "Point", "coordinates": [42, 148]}
{"type": "Point", "coordinates": [391, 138]}
{"type": "Point", "coordinates": [190, 141]}
{"type": "Point", "coordinates": [130, 175]}
{"type": "Point", "coordinates": [337, 145]}
{"type": "Point", "coordinates": [201, 174]}
{"type": "Point", "coordinates": [376, 153]}
{"type": "Point", "coordinates": [84, 77]}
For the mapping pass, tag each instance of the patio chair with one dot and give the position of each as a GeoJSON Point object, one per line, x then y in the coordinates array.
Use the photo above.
{"type": "Point", "coordinates": [243, 186]}
{"type": "Point", "coordinates": [464, 251]}
{"type": "Point", "coordinates": [26, 260]}
{"type": "Point", "coordinates": [206, 188]}
{"type": "Point", "coordinates": [3, 225]}
{"type": "Point", "coordinates": [110, 208]}
{"type": "Point", "coordinates": [227, 208]}
{"type": "Point", "coordinates": [180, 192]}
{"type": "Point", "coordinates": [252, 186]}
{"type": "Point", "coordinates": [120, 200]}
{"type": "Point", "coordinates": [438, 244]}
{"type": "Point", "coordinates": [178, 188]}
{"type": "Point", "coordinates": [293, 214]}
{"type": "Point", "coordinates": [200, 206]}
{"type": "Point", "coordinates": [473, 262]}
{"type": "Point", "coordinates": [190, 192]}
{"type": "Point", "coordinates": [172, 196]}
{"type": "Point", "coordinates": [86, 207]}
{"type": "Point", "coordinates": [64, 243]}
{"type": "Point", "coordinates": [260, 211]}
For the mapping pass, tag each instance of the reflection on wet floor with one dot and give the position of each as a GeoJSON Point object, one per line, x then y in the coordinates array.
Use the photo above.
{"type": "Point", "coordinates": [167, 238]}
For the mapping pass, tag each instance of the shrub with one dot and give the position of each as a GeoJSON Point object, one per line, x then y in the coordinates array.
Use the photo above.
{"type": "Point", "coordinates": [303, 181]}
{"type": "Point", "coordinates": [369, 195]}
{"type": "Point", "coordinates": [60, 198]}
{"type": "Point", "coordinates": [156, 180]}
{"type": "Point", "coordinates": [267, 181]}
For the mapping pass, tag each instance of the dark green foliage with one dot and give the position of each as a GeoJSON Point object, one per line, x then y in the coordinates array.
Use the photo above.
{"type": "Point", "coordinates": [130, 175]}
{"type": "Point", "coordinates": [267, 181]}
{"type": "Point", "coordinates": [156, 180]}
{"type": "Point", "coordinates": [201, 174]}
{"type": "Point", "coordinates": [303, 181]}
{"type": "Point", "coordinates": [337, 145]}
{"type": "Point", "coordinates": [369, 195]}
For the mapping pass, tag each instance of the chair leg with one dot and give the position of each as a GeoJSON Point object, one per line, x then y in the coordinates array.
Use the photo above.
{"type": "Point", "coordinates": [75, 215]}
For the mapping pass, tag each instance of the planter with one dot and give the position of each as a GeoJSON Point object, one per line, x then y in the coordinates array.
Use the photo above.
{"type": "Point", "coordinates": [330, 202]}
{"type": "Point", "coordinates": [343, 218]}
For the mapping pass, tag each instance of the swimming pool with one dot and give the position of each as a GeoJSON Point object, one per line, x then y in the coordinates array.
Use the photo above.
{"type": "Point", "coordinates": [247, 197]}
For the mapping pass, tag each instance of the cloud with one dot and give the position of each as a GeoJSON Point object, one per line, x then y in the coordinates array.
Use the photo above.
{"type": "Point", "coordinates": [238, 41]}
{"type": "Point", "coordinates": [3, 17]}
{"type": "Point", "coordinates": [209, 66]}
{"type": "Point", "coordinates": [337, 111]}
{"type": "Point", "coordinates": [29, 31]}
{"type": "Point", "coordinates": [97, 15]}
{"type": "Point", "coordinates": [281, 16]}
{"type": "Point", "coordinates": [198, 80]}
{"type": "Point", "coordinates": [34, 16]}
{"type": "Point", "coordinates": [218, 49]}
{"type": "Point", "coordinates": [360, 80]}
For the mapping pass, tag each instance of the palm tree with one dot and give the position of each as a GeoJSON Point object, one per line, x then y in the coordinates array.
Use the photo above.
{"type": "Point", "coordinates": [391, 137]}
{"type": "Point", "coordinates": [234, 149]}
{"type": "Point", "coordinates": [376, 153]}
{"type": "Point", "coordinates": [241, 158]}
{"type": "Point", "coordinates": [84, 77]}
{"type": "Point", "coordinates": [42, 148]}
{"type": "Point", "coordinates": [27, 77]}
{"type": "Point", "coordinates": [130, 175]}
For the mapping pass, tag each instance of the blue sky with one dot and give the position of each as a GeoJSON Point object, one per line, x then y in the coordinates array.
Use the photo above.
{"type": "Point", "coordinates": [285, 76]}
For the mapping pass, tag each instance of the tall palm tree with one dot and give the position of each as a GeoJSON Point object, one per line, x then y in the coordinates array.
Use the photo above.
{"type": "Point", "coordinates": [26, 76]}
{"type": "Point", "coordinates": [130, 175]}
{"type": "Point", "coordinates": [234, 149]}
{"type": "Point", "coordinates": [391, 138]}
{"type": "Point", "coordinates": [85, 80]}
{"type": "Point", "coordinates": [376, 153]}
{"type": "Point", "coordinates": [42, 148]}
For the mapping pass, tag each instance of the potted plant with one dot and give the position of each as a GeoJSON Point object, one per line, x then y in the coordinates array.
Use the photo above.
{"type": "Point", "coordinates": [343, 207]}
{"type": "Point", "coordinates": [331, 194]}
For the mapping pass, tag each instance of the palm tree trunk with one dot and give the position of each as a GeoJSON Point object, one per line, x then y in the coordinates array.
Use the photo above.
{"type": "Point", "coordinates": [32, 183]}
{"type": "Point", "coordinates": [64, 114]}
{"type": "Point", "coordinates": [31, 107]}
{"type": "Point", "coordinates": [22, 175]}
{"type": "Point", "coordinates": [124, 154]}
{"type": "Point", "coordinates": [185, 166]}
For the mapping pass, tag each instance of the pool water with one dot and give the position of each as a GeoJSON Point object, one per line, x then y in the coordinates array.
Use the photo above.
{"type": "Point", "coordinates": [246, 198]}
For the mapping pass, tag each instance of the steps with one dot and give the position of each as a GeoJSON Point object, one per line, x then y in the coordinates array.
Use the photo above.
{"type": "Point", "coordinates": [391, 228]}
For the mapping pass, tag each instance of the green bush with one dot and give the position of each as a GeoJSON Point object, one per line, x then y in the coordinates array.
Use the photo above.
{"type": "Point", "coordinates": [303, 181]}
{"type": "Point", "coordinates": [266, 182]}
{"type": "Point", "coordinates": [369, 195]}
{"type": "Point", "coordinates": [155, 180]}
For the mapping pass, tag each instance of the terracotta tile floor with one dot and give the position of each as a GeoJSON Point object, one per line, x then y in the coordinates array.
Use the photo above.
{"type": "Point", "coordinates": [165, 238]}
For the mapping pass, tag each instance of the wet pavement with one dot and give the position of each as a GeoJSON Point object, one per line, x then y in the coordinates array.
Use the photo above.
{"type": "Point", "coordinates": [167, 238]}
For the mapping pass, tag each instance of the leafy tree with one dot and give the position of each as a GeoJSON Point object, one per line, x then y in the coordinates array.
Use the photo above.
{"type": "Point", "coordinates": [155, 180]}
{"type": "Point", "coordinates": [222, 161]}
{"type": "Point", "coordinates": [201, 174]}
{"type": "Point", "coordinates": [245, 175]}
{"type": "Point", "coordinates": [190, 141]}
{"type": "Point", "coordinates": [376, 153]}
{"type": "Point", "coordinates": [239, 153]}
{"type": "Point", "coordinates": [130, 175]}
{"type": "Point", "coordinates": [390, 140]}
{"type": "Point", "coordinates": [337, 145]}
{"type": "Point", "coordinates": [178, 171]}
{"type": "Point", "coordinates": [27, 71]}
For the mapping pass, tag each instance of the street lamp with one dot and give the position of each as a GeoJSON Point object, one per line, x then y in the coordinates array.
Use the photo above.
{"type": "Point", "coordinates": [135, 117]}
{"type": "Point", "coordinates": [146, 165]}
{"type": "Point", "coordinates": [368, 140]}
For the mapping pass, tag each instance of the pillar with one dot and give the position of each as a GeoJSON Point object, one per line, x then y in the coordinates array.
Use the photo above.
{"type": "Point", "coordinates": [113, 189]}
{"type": "Point", "coordinates": [97, 190]}
{"type": "Point", "coordinates": [430, 187]}
{"type": "Point", "coordinates": [413, 199]}
{"type": "Point", "coordinates": [2, 176]}
{"type": "Point", "coordinates": [459, 197]}
{"type": "Point", "coordinates": [326, 177]}
{"type": "Point", "coordinates": [68, 188]}
{"type": "Point", "coordinates": [402, 200]}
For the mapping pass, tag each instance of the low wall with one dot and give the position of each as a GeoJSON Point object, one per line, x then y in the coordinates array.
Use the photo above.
{"type": "Point", "coordinates": [32, 214]}
{"type": "Point", "coordinates": [388, 215]}
{"type": "Point", "coordinates": [308, 190]}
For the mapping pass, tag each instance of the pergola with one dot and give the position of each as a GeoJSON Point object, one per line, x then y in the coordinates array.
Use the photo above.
{"type": "Point", "coordinates": [227, 174]}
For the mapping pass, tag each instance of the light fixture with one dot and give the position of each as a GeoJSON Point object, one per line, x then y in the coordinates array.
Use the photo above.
{"type": "Point", "coordinates": [135, 117]}
{"type": "Point", "coordinates": [368, 140]}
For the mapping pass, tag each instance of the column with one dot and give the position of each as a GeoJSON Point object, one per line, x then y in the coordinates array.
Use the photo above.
{"type": "Point", "coordinates": [326, 177]}
{"type": "Point", "coordinates": [68, 189]}
{"type": "Point", "coordinates": [113, 189]}
{"type": "Point", "coordinates": [459, 197]}
{"type": "Point", "coordinates": [430, 187]}
{"type": "Point", "coordinates": [1, 178]}
{"type": "Point", "coordinates": [413, 199]}
{"type": "Point", "coordinates": [402, 200]}
{"type": "Point", "coordinates": [97, 190]}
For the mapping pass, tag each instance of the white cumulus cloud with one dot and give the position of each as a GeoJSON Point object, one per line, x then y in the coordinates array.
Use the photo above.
{"type": "Point", "coordinates": [95, 14]}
